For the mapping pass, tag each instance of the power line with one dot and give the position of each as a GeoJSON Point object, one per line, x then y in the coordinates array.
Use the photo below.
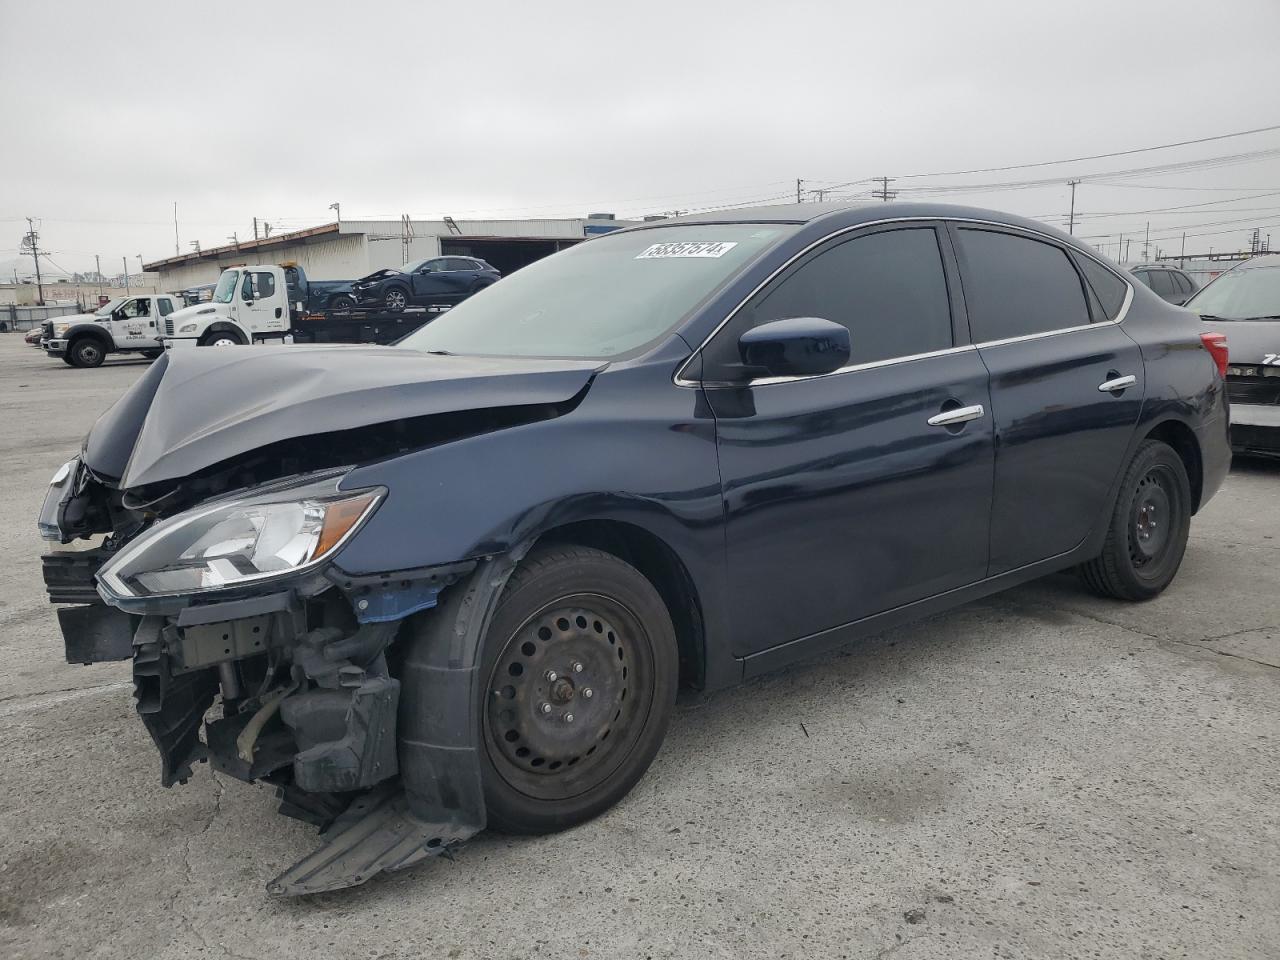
{"type": "Point", "coordinates": [1096, 156]}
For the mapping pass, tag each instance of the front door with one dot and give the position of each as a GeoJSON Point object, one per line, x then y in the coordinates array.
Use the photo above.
{"type": "Point", "coordinates": [259, 309]}
{"type": "Point", "coordinates": [133, 325]}
{"type": "Point", "coordinates": [856, 492]}
{"type": "Point", "coordinates": [1045, 323]}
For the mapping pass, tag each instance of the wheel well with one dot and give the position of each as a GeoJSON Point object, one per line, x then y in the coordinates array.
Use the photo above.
{"type": "Point", "coordinates": [661, 567]}
{"type": "Point", "coordinates": [1183, 440]}
{"type": "Point", "coordinates": [98, 335]}
{"type": "Point", "coordinates": [224, 328]}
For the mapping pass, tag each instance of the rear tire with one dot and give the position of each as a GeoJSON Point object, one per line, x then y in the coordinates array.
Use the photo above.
{"type": "Point", "coordinates": [582, 667]}
{"type": "Point", "coordinates": [86, 352]}
{"type": "Point", "coordinates": [1147, 534]}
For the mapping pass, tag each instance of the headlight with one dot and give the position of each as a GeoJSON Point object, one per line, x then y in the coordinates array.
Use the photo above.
{"type": "Point", "coordinates": [238, 542]}
{"type": "Point", "coordinates": [188, 328]}
{"type": "Point", "coordinates": [59, 329]}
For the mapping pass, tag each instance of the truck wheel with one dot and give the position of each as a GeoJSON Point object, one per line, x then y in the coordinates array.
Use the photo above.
{"type": "Point", "coordinates": [582, 668]}
{"type": "Point", "coordinates": [397, 298]}
{"type": "Point", "coordinates": [341, 302]}
{"type": "Point", "coordinates": [86, 352]}
{"type": "Point", "coordinates": [1147, 536]}
{"type": "Point", "coordinates": [220, 338]}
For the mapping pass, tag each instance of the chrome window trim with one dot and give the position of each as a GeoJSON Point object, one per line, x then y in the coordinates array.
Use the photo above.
{"type": "Point", "coordinates": [680, 380]}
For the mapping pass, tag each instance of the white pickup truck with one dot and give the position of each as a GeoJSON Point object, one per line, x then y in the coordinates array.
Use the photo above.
{"type": "Point", "coordinates": [125, 325]}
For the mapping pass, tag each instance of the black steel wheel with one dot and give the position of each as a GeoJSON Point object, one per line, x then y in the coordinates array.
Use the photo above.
{"type": "Point", "coordinates": [1147, 536]}
{"type": "Point", "coordinates": [86, 352]}
{"type": "Point", "coordinates": [396, 298]}
{"type": "Point", "coordinates": [582, 667]}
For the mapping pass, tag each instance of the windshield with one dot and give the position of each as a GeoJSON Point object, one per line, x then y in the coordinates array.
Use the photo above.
{"type": "Point", "coordinates": [601, 298]}
{"type": "Point", "coordinates": [108, 308]}
{"type": "Point", "coordinates": [1252, 294]}
{"type": "Point", "coordinates": [409, 267]}
{"type": "Point", "coordinates": [226, 288]}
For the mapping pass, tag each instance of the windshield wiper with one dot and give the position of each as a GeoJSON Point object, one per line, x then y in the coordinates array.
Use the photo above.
{"type": "Point", "coordinates": [439, 353]}
{"type": "Point", "coordinates": [1269, 316]}
{"type": "Point", "coordinates": [1213, 317]}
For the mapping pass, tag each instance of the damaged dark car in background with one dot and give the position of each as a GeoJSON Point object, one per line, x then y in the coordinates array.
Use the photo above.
{"type": "Point", "coordinates": [456, 583]}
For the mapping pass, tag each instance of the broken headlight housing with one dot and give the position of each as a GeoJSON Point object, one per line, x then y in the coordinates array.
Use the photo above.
{"type": "Point", "coordinates": [239, 541]}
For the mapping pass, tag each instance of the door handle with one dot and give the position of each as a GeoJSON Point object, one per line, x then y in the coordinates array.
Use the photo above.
{"type": "Point", "coordinates": [1116, 384]}
{"type": "Point", "coordinates": [950, 418]}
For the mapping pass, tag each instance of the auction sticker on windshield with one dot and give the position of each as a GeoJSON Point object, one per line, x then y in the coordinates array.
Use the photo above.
{"type": "Point", "coordinates": [687, 248]}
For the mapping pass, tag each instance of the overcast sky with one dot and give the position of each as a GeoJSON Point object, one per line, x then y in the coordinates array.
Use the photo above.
{"type": "Point", "coordinates": [113, 111]}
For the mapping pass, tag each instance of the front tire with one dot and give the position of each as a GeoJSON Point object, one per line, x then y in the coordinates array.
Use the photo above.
{"type": "Point", "coordinates": [220, 338]}
{"type": "Point", "coordinates": [86, 352]}
{"type": "Point", "coordinates": [395, 299]}
{"type": "Point", "coordinates": [341, 302]}
{"type": "Point", "coordinates": [1147, 535]}
{"type": "Point", "coordinates": [582, 669]}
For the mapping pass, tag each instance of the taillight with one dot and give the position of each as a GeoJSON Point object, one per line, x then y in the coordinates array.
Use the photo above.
{"type": "Point", "coordinates": [1216, 344]}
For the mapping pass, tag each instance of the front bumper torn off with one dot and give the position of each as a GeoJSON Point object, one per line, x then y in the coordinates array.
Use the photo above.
{"type": "Point", "coordinates": [389, 772]}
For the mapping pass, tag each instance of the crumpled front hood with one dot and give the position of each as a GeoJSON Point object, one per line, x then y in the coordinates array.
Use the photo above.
{"type": "Point", "coordinates": [200, 406]}
{"type": "Point", "coordinates": [1248, 341]}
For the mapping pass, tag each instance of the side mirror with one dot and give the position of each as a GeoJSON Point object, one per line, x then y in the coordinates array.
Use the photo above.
{"type": "Point", "coordinates": [795, 347]}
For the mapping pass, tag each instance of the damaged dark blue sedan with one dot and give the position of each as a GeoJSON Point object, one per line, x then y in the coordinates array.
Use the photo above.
{"type": "Point", "coordinates": [456, 583]}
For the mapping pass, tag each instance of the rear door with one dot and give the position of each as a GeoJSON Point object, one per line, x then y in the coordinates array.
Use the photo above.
{"type": "Point", "coordinates": [852, 493]}
{"type": "Point", "coordinates": [1066, 386]}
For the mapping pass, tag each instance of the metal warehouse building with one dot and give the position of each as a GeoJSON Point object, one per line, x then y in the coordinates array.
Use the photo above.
{"type": "Point", "coordinates": [352, 248]}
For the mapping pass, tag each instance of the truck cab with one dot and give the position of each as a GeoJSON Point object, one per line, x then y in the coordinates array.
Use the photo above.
{"type": "Point", "coordinates": [249, 303]}
{"type": "Point", "coordinates": [124, 325]}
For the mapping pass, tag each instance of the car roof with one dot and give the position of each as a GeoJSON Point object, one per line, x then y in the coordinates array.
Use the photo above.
{"type": "Point", "coordinates": [1263, 260]}
{"type": "Point", "coordinates": [1153, 266]}
{"type": "Point", "coordinates": [842, 215]}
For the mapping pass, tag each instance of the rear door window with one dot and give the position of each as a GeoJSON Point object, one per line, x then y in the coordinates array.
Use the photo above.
{"type": "Point", "coordinates": [888, 288]}
{"type": "Point", "coordinates": [1015, 286]}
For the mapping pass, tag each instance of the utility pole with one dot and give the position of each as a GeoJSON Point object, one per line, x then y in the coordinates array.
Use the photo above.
{"type": "Point", "coordinates": [255, 229]}
{"type": "Point", "coordinates": [32, 239]}
{"type": "Point", "coordinates": [235, 238]}
{"type": "Point", "coordinates": [799, 188]}
{"type": "Point", "coordinates": [406, 236]}
{"type": "Point", "coordinates": [1182, 257]}
{"type": "Point", "coordinates": [1071, 225]}
{"type": "Point", "coordinates": [884, 193]}
{"type": "Point", "coordinates": [125, 261]}
{"type": "Point", "coordinates": [337, 211]}
{"type": "Point", "coordinates": [1120, 249]}
{"type": "Point", "coordinates": [1146, 244]}
{"type": "Point", "coordinates": [1126, 251]}
{"type": "Point", "coordinates": [142, 271]}
{"type": "Point", "coordinates": [97, 265]}
{"type": "Point", "coordinates": [177, 247]}
{"type": "Point", "coordinates": [196, 244]}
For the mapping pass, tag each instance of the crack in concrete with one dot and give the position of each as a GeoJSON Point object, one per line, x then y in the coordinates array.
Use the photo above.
{"type": "Point", "coordinates": [27, 702]}
{"type": "Point", "coordinates": [1194, 644]}
{"type": "Point", "coordinates": [50, 693]}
